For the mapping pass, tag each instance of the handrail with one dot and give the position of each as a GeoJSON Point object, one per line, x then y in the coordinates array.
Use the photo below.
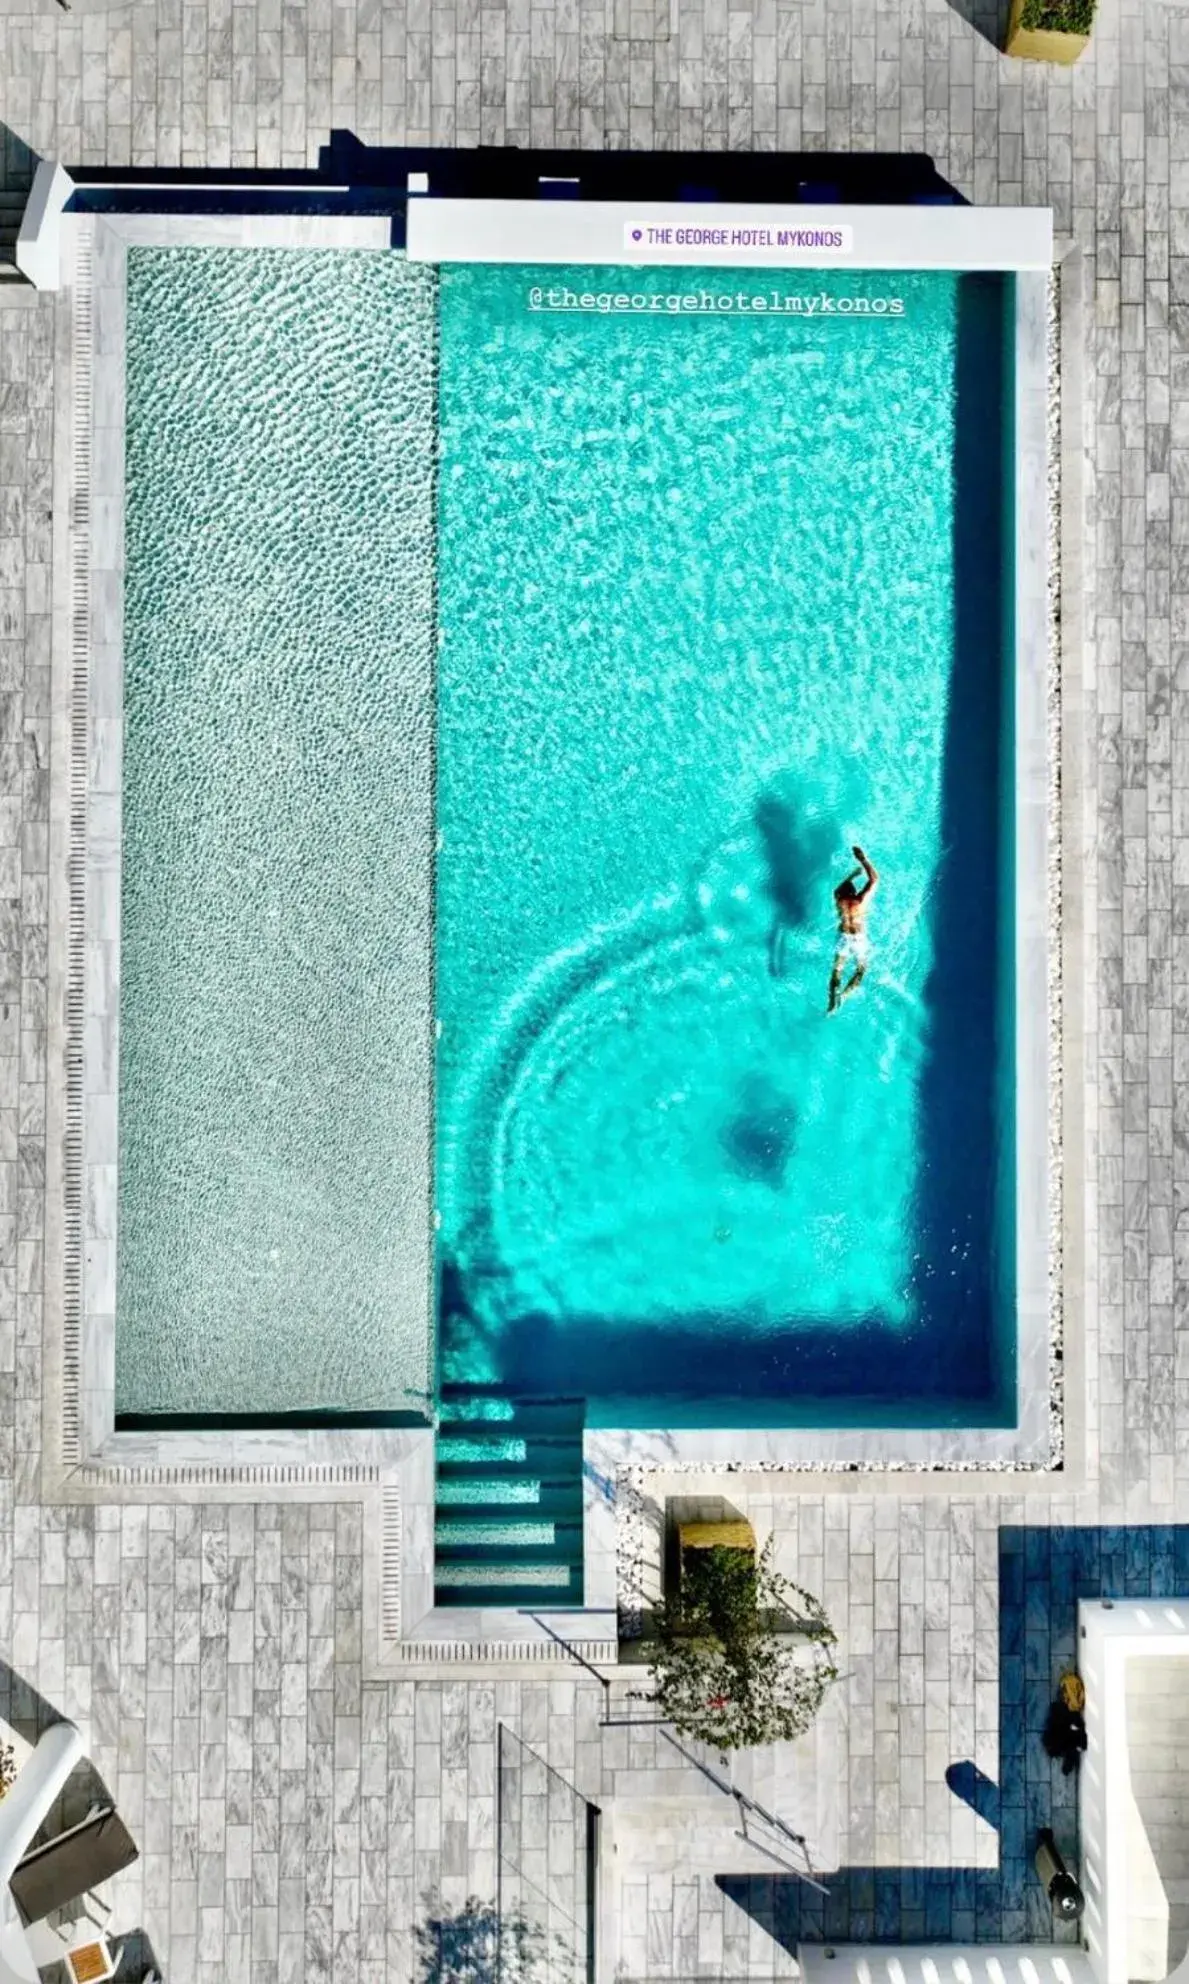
{"type": "Point", "coordinates": [603, 1680]}
{"type": "Point", "coordinates": [552, 1916]}
{"type": "Point", "coordinates": [746, 1803]}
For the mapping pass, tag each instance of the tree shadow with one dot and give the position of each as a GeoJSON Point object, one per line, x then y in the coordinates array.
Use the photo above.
{"type": "Point", "coordinates": [988, 18]}
{"type": "Point", "coordinates": [975, 1789]}
{"type": "Point", "coordinates": [18, 160]}
{"type": "Point", "coordinates": [480, 1944]}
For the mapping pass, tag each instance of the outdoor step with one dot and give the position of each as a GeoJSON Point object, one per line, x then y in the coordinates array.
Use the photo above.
{"type": "Point", "coordinates": [503, 1561]}
{"type": "Point", "coordinates": [506, 1533]}
{"type": "Point", "coordinates": [546, 1421]}
{"type": "Point", "coordinates": [542, 1576]}
{"type": "Point", "coordinates": [508, 1440]}
{"type": "Point", "coordinates": [493, 1501]}
{"type": "Point", "coordinates": [555, 1546]}
{"type": "Point", "coordinates": [546, 1494]}
{"type": "Point", "coordinates": [494, 1449]}
{"type": "Point", "coordinates": [553, 1462]}
{"type": "Point", "coordinates": [501, 1598]}
{"type": "Point", "coordinates": [550, 1419]}
{"type": "Point", "coordinates": [508, 1504]}
{"type": "Point", "coordinates": [525, 1575]}
{"type": "Point", "coordinates": [464, 1411]}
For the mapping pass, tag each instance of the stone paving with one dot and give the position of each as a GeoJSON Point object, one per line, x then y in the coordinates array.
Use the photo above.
{"type": "Point", "coordinates": [299, 1822]}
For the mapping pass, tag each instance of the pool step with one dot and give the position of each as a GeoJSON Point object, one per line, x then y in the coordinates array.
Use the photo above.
{"type": "Point", "coordinates": [491, 1409]}
{"type": "Point", "coordinates": [508, 1542]}
{"type": "Point", "coordinates": [488, 1535]}
{"type": "Point", "coordinates": [481, 1493]}
{"type": "Point", "coordinates": [506, 1461]}
{"type": "Point", "coordinates": [472, 1584]}
{"type": "Point", "coordinates": [508, 1520]}
{"type": "Point", "coordinates": [491, 1450]}
{"type": "Point", "coordinates": [475, 1409]}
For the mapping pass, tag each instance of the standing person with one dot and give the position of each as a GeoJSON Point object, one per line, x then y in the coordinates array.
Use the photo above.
{"type": "Point", "coordinates": [851, 904]}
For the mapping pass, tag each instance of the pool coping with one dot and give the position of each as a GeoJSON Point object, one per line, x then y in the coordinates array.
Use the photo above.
{"type": "Point", "coordinates": [83, 1457]}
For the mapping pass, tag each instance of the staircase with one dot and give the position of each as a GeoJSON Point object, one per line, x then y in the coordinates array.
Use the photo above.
{"type": "Point", "coordinates": [12, 208]}
{"type": "Point", "coordinates": [508, 1511]}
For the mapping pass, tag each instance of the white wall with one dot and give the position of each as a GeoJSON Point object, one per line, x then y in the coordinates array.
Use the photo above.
{"type": "Point", "coordinates": [942, 1963]}
{"type": "Point", "coordinates": [1158, 1754]}
{"type": "Point", "coordinates": [1110, 1634]}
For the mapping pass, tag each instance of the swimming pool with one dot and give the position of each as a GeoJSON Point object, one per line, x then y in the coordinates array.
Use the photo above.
{"type": "Point", "coordinates": [658, 610]}
{"type": "Point", "coordinates": [721, 591]}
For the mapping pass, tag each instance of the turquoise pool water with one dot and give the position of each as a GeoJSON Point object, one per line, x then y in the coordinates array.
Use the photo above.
{"type": "Point", "coordinates": [719, 595]}
{"type": "Point", "coordinates": [659, 611]}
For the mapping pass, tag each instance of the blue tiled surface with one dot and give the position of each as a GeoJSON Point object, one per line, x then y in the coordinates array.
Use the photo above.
{"type": "Point", "coordinates": [1042, 1575]}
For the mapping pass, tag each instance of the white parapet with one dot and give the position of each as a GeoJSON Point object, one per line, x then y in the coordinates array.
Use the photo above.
{"type": "Point", "coordinates": [942, 1963]}
{"type": "Point", "coordinates": [38, 250]}
{"type": "Point", "coordinates": [1125, 1911]}
{"type": "Point", "coordinates": [709, 235]}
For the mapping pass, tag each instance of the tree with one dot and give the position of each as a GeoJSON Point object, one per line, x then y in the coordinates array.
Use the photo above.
{"type": "Point", "coordinates": [740, 1654]}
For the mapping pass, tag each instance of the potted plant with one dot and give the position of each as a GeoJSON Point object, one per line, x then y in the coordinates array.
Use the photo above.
{"type": "Point", "coordinates": [1049, 30]}
{"type": "Point", "coordinates": [739, 1654]}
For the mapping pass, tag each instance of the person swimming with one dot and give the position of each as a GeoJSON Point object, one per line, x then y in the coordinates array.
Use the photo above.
{"type": "Point", "coordinates": [851, 949]}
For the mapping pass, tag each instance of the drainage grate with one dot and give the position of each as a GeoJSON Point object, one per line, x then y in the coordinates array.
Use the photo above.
{"type": "Point", "coordinates": [80, 647]}
{"type": "Point", "coordinates": [390, 1567]}
{"type": "Point", "coordinates": [491, 1653]}
{"type": "Point", "coordinates": [212, 1475]}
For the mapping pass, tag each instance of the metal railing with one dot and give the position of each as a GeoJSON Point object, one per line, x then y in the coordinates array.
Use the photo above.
{"type": "Point", "coordinates": [546, 1870]}
{"type": "Point", "coordinates": [781, 1842]}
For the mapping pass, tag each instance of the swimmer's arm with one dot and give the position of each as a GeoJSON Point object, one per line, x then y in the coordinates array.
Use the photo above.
{"type": "Point", "coordinates": [869, 869]}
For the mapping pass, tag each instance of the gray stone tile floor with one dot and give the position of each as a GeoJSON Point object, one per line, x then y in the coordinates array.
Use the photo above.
{"type": "Point", "coordinates": [293, 1818]}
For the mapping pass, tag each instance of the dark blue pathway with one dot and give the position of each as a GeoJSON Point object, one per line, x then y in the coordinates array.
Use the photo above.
{"type": "Point", "coordinates": [1042, 1575]}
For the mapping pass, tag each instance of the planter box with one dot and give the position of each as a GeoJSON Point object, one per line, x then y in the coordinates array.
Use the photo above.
{"type": "Point", "coordinates": [716, 1536]}
{"type": "Point", "coordinates": [693, 1538]}
{"type": "Point", "coordinates": [1041, 44]}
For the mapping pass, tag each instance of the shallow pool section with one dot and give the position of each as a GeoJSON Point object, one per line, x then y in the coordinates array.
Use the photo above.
{"type": "Point", "coordinates": [721, 593]}
{"type": "Point", "coordinates": [274, 1045]}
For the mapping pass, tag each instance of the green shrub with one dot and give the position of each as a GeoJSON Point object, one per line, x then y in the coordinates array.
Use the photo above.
{"type": "Point", "coordinates": [1059, 16]}
{"type": "Point", "coordinates": [740, 1654]}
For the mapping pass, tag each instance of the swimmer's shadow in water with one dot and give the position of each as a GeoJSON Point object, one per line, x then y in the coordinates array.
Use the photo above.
{"type": "Point", "coordinates": [798, 843]}
{"type": "Point", "coordinates": [759, 1139]}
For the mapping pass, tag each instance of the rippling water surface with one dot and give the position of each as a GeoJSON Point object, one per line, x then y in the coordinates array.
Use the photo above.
{"type": "Point", "coordinates": [277, 817]}
{"type": "Point", "coordinates": [719, 596]}
{"type": "Point", "coordinates": [712, 594]}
